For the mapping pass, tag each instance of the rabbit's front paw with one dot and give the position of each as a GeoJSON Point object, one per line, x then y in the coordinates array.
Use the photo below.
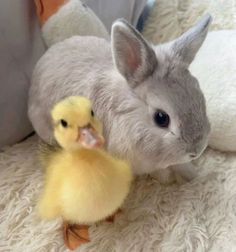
{"type": "Point", "coordinates": [184, 172]}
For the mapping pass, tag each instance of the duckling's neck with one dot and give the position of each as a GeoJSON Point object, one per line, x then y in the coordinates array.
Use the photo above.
{"type": "Point", "coordinates": [81, 151]}
{"type": "Point", "coordinates": [86, 155]}
{"type": "Point", "coordinates": [73, 149]}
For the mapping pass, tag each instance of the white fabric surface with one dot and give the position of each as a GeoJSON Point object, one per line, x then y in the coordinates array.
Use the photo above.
{"type": "Point", "coordinates": [171, 18]}
{"type": "Point", "coordinates": [196, 217]}
{"type": "Point", "coordinates": [215, 68]}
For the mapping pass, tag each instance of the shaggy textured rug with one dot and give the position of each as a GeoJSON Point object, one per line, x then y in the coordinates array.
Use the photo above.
{"type": "Point", "coordinates": [197, 216]}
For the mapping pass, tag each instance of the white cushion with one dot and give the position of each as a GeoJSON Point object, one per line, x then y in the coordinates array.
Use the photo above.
{"type": "Point", "coordinates": [215, 68]}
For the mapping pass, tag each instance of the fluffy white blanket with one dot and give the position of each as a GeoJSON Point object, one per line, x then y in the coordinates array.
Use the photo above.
{"type": "Point", "coordinates": [198, 216]}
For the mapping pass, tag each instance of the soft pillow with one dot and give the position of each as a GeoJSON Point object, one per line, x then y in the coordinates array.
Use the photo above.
{"type": "Point", "coordinates": [215, 68]}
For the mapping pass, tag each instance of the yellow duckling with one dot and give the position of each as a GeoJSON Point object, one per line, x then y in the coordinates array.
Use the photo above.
{"type": "Point", "coordinates": [84, 184]}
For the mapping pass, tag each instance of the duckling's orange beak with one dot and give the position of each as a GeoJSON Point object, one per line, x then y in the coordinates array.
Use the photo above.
{"type": "Point", "coordinates": [90, 138]}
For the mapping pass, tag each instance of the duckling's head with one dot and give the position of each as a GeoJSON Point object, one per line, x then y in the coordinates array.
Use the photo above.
{"type": "Point", "coordinates": [75, 124]}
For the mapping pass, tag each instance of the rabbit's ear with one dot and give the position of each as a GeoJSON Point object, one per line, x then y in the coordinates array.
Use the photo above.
{"type": "Point", "coordinates": [186, 46]}
{"type": "Point", "coordinates": [133, 56]}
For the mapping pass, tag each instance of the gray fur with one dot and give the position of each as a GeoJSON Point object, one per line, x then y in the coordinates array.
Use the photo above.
{"type": "Point", "coordinates": [128, 46]}
{"type": "Point", "coordinates": [125, 97]}
{"type": "Point", "coordinates": [186, 46]}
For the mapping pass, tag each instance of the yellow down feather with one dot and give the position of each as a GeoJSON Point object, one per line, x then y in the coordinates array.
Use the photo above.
{"type": "Point", "coordinates": [81, 185]}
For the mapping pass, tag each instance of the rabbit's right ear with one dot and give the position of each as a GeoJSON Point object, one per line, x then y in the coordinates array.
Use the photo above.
{"type": "Point", "coordinates": [133, 56]}
{"type": "Point", "coordinates": [186, 46]}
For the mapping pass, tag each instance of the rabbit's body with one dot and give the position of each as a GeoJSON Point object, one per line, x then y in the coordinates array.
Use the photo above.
{"type": "Point", "coordinates": [132, 85]}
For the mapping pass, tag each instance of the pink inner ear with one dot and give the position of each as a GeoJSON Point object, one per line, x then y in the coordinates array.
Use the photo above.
{"type": "Point", "coordinates": [133, 56]}
{"type": "Point", "coordinates": [133, 60]}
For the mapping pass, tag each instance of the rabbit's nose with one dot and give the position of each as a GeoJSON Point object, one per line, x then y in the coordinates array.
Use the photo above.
{"type": "Point", "coordinates": [197, 149]}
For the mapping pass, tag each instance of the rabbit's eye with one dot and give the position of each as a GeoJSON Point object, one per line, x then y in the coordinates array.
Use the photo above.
{"type": "Point", "coordinates": [161, 119]}
{"type": "Point", "coordinates": [64, 123]}
{"type": "Point", "coordinates": [92, 113]}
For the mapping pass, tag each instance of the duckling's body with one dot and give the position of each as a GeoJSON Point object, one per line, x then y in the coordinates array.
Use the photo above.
{"type": "Point", "coordinates": [84, 183]}
{"type": "Point", "coordinates": [84, 186]}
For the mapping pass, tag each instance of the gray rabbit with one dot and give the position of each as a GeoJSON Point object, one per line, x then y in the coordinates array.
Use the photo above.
{"type": "Point", "coordinates": [152, 108]}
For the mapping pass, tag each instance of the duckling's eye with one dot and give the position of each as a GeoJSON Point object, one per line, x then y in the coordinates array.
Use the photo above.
{"type": "Point", "coordinates": [64, 123]}
{"type": "Point", "coordinates": [92, 113]}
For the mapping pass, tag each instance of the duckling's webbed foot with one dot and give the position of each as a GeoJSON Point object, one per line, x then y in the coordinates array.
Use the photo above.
{"type": "Point", "coordinates": [75, 235]}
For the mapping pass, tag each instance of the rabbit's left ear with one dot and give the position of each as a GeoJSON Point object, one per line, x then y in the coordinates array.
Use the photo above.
{"type": "Point", "coordinates": [133, 56]}
{"type": "Point", "coordinates": [186, 46]}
